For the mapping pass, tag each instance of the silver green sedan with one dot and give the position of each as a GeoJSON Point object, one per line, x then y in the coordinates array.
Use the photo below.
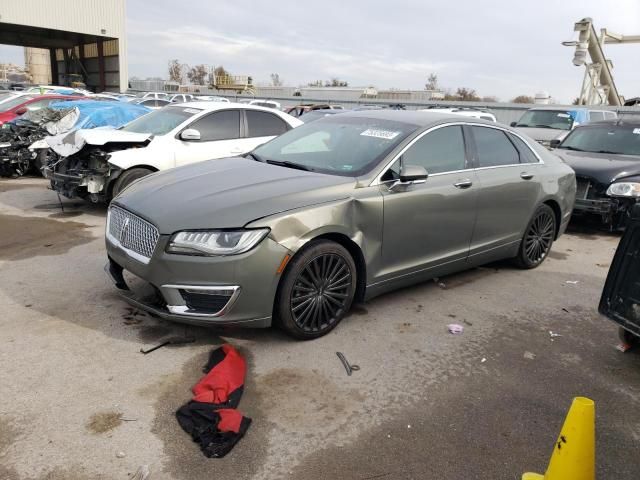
{"type": "Point", "coordinates": [334, 212]}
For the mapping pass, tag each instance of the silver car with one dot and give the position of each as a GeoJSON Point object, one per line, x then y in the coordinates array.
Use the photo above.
{"type": "Point", "coordinates": [334, 212]}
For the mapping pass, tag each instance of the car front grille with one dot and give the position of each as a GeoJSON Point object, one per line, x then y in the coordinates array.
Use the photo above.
{"type": "Point", "coordinates": [132, 233]}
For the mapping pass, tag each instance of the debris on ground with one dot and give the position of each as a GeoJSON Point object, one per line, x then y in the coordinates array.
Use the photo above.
{"type": "Point", "coordinates": [347, 366]}
{"type": "Point", "coordinates": [483, 360]}
{"type": "Point", "coordinates": [455, 328]}
{"type": "Point", "coordinates": [121, 455]}
{"type": "Point", "coordinates": [529, 356]}
{"type": "Point", "coordinates": [553, 335]}
{"type": "Point", "coordinates": [467, 322]}
{"type": "Point", "coordinates": [624, 347]}
{"type": "Point", "coordinates": [210, 417]}
{"type": "Point", "coordinates": [169, 341]}
{"type": "Point", "coordinates": [572, 282]}
{"type": "Point", "coordinates": [143, 473]}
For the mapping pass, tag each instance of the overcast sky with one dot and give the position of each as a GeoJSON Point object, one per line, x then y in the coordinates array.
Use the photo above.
{"type": "Point", "coordinates": [499, 48]}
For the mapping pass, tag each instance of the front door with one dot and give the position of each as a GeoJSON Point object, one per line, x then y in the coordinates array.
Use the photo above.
{"type": "Point", "coordinates": [219, 138]}
{"type": "Point", "coordinates": [429, 225]}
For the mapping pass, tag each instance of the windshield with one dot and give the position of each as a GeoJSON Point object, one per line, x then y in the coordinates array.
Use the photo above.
{"type": "Point", "coordinates": [620, 139]}
{"type": "Point", "coordinates": [558, 119]}
{"type": "Point", "coordinates": [160, 122]}
{"type": "Point", "coordinates": [339, 145]}
{"type": "Point", "coordinates": [19, 100]}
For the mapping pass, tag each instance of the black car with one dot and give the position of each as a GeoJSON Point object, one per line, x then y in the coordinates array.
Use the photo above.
{"type": "Point", "coordinates": [606, 158]}
{"type": "Point", "coordinates": [621, 296]}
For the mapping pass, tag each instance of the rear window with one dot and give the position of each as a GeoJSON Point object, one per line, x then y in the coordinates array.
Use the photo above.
{"type": "Point", "coordinates": [264, 124]}
{"type": "Point", "coordinates": [494, 148]}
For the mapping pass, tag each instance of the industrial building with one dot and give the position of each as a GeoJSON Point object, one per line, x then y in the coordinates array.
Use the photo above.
{"type": "Point", "coordinates": [84, 42]}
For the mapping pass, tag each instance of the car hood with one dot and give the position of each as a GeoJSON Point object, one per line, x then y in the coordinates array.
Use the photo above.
{"type": "Point", "coordinates": [227, 193]}
{"type": "Point", "coordinates": [71, 142]}
{"type": "Point", "coordinates": [541, 134]}
{"type": "Point", "coordinates": [603, 167]}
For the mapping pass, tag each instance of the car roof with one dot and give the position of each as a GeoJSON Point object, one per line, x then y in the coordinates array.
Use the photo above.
{"type": "Point", "coordinates": [415, 117]}
{"type": "Point", "coordinates": [213, 105]}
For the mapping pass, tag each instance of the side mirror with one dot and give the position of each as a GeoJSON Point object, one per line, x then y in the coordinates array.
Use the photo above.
{"type": "Point", "coordinates": [190, 134]}
{"type": "Point", "coordinates": [513, 124]}
{"type": "Point", "coordinates": [410, 174]}
{"type": "Point", "coordinates": [555, 142]}
{"type": "Point", "coordinates": [21, 111]}
{"type": "Point", "coordinates": [413, 174]}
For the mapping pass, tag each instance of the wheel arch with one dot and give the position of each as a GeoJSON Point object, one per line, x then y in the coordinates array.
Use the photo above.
{"type": "Point", "coordinates": [557, 212]}
{"type": "Point", "coordinates": [113, 178]}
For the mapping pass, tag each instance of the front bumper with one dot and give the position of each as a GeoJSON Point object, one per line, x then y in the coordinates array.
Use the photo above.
{"type": "Point", "coordinates": [220, 290]}
{"type": "Point", "coordinates": [81, 185]}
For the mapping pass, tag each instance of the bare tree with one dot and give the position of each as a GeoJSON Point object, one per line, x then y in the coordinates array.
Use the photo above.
{"type": "Point", "coordinates": [276, 81]}
{"type": "Point", "coordinates": [490, 99]}
{"type": "Point", "coordinates": [197, 74]}
{"type": "Point", "coordinates": [336, 82]}
{"type": "Point", "coordinates": [176, 72]}
{"type": "Point", "coordinates": [522, 99]}
{"type": "Point", "coordinates": [432, 82]}
{"type": "Point", "coordinates": [315, 83]}
{"type": "Point", "coordinates": [467, 94]}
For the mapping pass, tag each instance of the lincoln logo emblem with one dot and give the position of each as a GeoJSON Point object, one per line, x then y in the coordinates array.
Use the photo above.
{"type": "Point", "coordinates": [123, 232]}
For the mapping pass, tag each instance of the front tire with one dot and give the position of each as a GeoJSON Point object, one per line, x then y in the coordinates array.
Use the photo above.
{"type": "Point", "coordinates": [538, 238]}
{"type": "Point", "coordinates": [317, 290]}
{"type": "Point", "coordinates": [126, 178]}
{"type": "Point", "coordinates": [627, 337]}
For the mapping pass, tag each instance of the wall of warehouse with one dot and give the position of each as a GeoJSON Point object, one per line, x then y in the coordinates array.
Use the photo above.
{"type": "Point", "coordinates": [83, 23]}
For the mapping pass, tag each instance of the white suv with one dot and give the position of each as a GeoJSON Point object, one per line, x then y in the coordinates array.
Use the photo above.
{"type": "Point", "coordinates": [97, 164]}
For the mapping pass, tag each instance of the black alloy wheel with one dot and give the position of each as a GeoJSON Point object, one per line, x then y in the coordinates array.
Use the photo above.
{"type": "Point", "coordinates": [538, 238]}
{"type": "Point", "coordinates": [317, 290]}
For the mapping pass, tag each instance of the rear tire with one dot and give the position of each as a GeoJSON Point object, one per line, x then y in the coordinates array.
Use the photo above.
{"type": "Point", "coordinates": [538, 238]}
{"type": "Point", "coordinates": [126, 178]}
{"type": "Point", "coordinates": [627, 337]}
{"type": "Point", "coordinates": [317, 290]}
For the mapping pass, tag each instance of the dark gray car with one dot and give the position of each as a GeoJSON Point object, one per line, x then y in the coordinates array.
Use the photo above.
{"type": "Point", "coordinates": [335, 211]}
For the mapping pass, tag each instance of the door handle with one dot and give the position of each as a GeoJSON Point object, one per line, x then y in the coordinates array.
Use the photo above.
{"type": "Point", "coordinates": [526, 176]}
{"type": "Point", "coordinates": [463, 184]}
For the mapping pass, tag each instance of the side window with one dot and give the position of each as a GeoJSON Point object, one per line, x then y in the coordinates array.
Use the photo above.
{"type": "Point", "coordinates": [494, 148]}
{"type": "Point", "coordinates": [148, 103]}
{"type": "Point", "coordinates": [439, 151]}
{"type": "Point", "coordinates": [595, 116]}
{"type": "Point", "coordinates": [264, 124]}
{"type": "Point", "coordinates": [610, 115]}
{"type": "Point", "coordinates": [526, 155]}
{"type": "Point", "coordinates": [223, 125]}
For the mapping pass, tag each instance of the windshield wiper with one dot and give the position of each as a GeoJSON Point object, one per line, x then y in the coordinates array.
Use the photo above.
{"type": "Point", "coordinates": [255, 156]}
{"type": "Point", "coordinates": [542, 126]}
{"type": "Point", "coordinates": [569, 147]}
{"type": "Point", "coordinates": [289, 164]}
{"type": "Point", "coordinates": [609, 151]}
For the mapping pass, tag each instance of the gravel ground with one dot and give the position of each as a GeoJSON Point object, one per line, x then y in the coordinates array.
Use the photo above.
{"type": "Point", "coordinates": [423, 405]}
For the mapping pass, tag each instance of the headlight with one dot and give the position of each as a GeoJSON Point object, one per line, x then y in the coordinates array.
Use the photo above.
{"type": "Point", "coordinates": [624, 189]}
{"type": "Point", "coordinates": [216, 242]}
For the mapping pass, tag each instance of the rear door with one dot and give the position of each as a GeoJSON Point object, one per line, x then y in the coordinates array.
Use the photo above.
{"type": "Point", "coordinates": [508, 174]}
{"type": "Point", "coordinates": [620, 299]}
{"type": "Point", "coordinates": [220, 137]}
{"type": "Point", "coordinates": [261, 127]}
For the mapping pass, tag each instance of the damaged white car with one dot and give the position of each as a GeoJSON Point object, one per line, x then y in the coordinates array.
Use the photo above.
{"type": "Point", "coordinates": [98, 164]}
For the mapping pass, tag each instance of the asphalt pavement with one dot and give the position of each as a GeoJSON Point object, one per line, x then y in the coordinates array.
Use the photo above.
{"type": "Point", "coordinates": [79, 401]}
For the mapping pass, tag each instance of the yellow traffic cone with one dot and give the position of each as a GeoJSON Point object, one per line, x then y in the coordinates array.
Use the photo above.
{"type": "Point", "coordinates": [574, 454]}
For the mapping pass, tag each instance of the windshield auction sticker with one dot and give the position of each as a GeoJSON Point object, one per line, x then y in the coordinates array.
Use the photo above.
{"type": "Point", "coordinates": [386, 134]}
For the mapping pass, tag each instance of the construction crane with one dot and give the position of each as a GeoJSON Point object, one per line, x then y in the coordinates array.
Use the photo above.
{"type": "Point", "coordinates": [598, 86]}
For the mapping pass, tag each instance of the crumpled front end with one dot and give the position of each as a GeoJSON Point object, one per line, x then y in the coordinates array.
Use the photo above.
{"type": "Point", "coordinates": [86, 174]}
{"type": "Point", "coordinates": [591, 199]}
{"type": "Point", "coordinates": [79, 166]}
{"type": "Point", "coordinates": [16, 159]}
